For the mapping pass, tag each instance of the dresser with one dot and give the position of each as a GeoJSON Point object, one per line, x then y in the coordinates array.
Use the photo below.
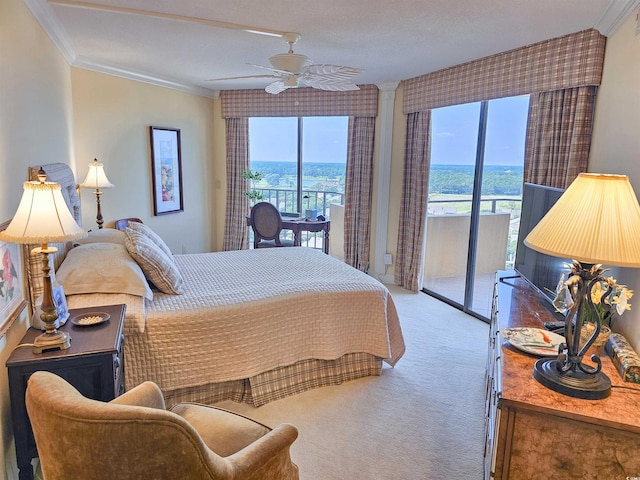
{"type": "Point", "coordinates": [535, 433]}
{"type": "Point", "coordinates": [94, 365]}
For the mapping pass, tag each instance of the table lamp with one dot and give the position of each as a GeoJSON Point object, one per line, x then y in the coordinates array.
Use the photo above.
{"type": "Point", "coordinates": [596, 221]}
{"type": "Point", "coordinates": [43, 217]}
{"type": "Point", "coordinates": [97, 179]}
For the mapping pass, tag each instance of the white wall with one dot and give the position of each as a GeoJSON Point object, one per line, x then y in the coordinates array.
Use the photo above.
{"type": "Point", "coordinates": [616, 139]}
{"type": "Point", "coordinates": [112, 117]}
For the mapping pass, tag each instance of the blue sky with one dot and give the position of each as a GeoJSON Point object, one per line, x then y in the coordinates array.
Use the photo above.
{"type": "Point", "coordinates": [324, 139]}
{"type": "Point", "coordinates": [454, 130]}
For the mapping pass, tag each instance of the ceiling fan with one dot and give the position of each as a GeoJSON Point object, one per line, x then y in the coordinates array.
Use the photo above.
{"type": "Point", "coordinates": [292, 70]}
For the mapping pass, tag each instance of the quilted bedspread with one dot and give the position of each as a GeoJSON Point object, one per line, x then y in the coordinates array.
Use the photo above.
{"type": "Point", "coordinates": [247, 312]}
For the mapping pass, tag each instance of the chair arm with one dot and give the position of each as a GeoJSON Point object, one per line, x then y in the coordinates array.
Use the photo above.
{"type": "Point", "coordinates": [146, 394]}
{"type": "Point", "coordinates": [263, 450]}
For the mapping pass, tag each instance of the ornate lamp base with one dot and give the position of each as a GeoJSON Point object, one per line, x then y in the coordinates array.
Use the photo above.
{"type": "Point", "coordinates": [574, 383]}
{"type": "Point", "coordinates": [50, 341]}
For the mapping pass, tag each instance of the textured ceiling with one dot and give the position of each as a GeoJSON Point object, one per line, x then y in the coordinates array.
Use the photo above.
{"type": "Point", "coordinates": [391, 40]}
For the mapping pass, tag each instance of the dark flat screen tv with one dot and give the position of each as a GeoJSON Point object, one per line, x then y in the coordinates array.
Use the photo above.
{"type": "Point", "coordinates": [540, 270]}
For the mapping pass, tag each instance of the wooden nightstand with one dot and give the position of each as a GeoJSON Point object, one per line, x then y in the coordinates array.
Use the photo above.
{"type": "Point", "coordinates": [94, 365]}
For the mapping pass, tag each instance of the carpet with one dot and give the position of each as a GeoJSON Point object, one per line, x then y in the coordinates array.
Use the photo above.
{"type": "Point", "coordinates": [423, 419]}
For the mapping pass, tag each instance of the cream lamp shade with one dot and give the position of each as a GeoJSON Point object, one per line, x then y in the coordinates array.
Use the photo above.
{"type": "Point", "coordinates": [42, 217]}
{"type": "Point", "coordinates": [596, 221]}
{"type": "Point", "coordinates": [96, 178]}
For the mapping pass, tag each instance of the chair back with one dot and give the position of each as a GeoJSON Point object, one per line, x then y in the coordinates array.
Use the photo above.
{"type": "Point", "coordinates": [82, 438]}
{"type": "Point", "coordinates": [266, 222]}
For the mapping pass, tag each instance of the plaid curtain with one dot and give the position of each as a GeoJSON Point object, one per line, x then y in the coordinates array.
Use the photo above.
{"type": "Point", "coordinates": [559, 136]}
{"type": "Point", "coordinates": [413, 206]}
{"type": "Point", "coordinates": [235, 225]}
{"type": "Point", "coordinates": [359, 180]}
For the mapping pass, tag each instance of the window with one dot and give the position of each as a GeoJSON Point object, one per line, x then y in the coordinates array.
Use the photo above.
{"type": "Point", "coordinates": [475, 190]}
{"type": "Point", "coordinates": [302, 159]}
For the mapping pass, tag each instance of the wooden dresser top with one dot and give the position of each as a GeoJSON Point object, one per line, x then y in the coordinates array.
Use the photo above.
{"type": "Point", "coordinates": [520, 305]}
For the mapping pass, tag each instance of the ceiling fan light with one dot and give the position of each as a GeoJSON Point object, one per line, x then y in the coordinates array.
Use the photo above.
{"type": "Point", "coordinates": [289, 62]}
{"type": "Point", "coordinates": [290, 81]}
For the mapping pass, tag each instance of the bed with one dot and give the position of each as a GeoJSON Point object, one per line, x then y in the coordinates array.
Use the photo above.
{"type": "Point", "coordinates": [250, 326]}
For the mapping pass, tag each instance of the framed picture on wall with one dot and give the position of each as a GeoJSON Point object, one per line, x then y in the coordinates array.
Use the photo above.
{"type": "Point", "coordinates": [166, 170]}
{"type": "Point", "coordinates": [12, 300]}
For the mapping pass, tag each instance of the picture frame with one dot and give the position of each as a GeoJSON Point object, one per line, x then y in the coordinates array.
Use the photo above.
{"type": "Point", "coordinates": [12, 300]}
{"type": "Point", "coordinates": [166, 170]}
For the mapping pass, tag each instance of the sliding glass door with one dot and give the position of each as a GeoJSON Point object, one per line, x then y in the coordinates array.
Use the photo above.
{"type": "Point", "coordinates": [475, 189]}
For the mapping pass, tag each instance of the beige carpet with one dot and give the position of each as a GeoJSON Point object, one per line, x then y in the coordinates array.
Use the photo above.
{"type": "Point", "coordinates": [423, 419]}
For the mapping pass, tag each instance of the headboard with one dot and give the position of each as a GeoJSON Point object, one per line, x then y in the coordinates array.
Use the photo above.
{"type": "Point", "coordinates": [60, 173]}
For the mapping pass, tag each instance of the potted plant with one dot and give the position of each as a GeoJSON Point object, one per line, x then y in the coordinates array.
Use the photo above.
{"type": "Point", "coordinates": [252, 194]}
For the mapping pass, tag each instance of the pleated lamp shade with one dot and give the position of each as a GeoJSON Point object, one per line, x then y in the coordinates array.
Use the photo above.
{"type": "Point", "coordinates": [42, 217]}
{"type": "Point", "coordinates": [596, 220]}
{"type": "Point", "coordinates": [96, 178]}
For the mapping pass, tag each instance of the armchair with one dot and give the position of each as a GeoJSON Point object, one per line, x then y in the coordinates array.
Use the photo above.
{"type": "Point", "coordinates": [135, 437]}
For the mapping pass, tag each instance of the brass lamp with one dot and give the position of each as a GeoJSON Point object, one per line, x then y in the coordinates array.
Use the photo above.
{"type": "Point", "coordinates": [97, 179]}
{"type": "Point", "coordinates": [43, 217]}
{"type": "Point", "coordinates": [596, 221]}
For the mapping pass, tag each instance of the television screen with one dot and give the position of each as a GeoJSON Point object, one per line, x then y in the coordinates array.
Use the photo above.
{"type": "Point", "coordinates": [540, 270]}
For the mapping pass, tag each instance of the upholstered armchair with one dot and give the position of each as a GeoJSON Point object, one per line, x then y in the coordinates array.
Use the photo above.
{"type": "Point", "coordinates": [135, 437]}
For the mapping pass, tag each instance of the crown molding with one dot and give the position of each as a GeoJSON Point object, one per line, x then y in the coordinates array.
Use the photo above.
{"type": "Point", "coordinates": [51, 24]}
{"type": "Point", "coordinates": [615, 15]}
{"type": "Point", "coordinates": [144, 77]}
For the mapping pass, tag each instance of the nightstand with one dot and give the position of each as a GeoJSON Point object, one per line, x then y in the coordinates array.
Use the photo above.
{"type": "Point", "coordinates": [94, 365]}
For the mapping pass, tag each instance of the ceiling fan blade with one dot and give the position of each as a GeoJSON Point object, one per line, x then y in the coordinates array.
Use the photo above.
{"type": "Point", "coordinates": [333, 85]}
{"type": "Point", "coordinates": [333, 71]}
{"type": "Point", "coordinates": [284, 72]}
{"type": "Point", "coordinates": [245, 76]}
{"type": "Point", "coordinates": [276, 87]}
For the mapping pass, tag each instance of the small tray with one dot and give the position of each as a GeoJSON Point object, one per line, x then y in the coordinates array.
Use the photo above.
{"type": "Point", "coordinates": [535, 341]}
{"type": "Point", "coordinates": [90, 319]}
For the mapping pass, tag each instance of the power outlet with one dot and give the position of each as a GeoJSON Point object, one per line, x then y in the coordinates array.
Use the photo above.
{"type": "Point", "coordinates": [388, 259]}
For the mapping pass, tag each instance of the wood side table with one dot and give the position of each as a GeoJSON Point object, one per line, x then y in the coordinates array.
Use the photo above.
{"type": "Point", "coordinates": [94, 365]}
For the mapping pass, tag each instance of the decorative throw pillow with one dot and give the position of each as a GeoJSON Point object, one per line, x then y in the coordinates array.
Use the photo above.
{"type": "Point", "coordinates": [159, 268]}
{"type": "Point", "coordinates": [108, 235]}
{"type": "Point", "coordinates": [102, 268]}
{"type": "Point", "coordinates": [153, 236]}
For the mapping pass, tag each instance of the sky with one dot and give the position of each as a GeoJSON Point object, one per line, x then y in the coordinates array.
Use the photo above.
{"type": "Point", "coordinates": [455, 132]}
{"type": "Point", "coordinates": [454, 135]}
{"type": "Point", "coordinates": [324, 139]}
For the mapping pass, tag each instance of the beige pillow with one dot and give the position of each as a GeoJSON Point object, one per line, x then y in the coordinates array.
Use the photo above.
{"type": "Point", "coordinates": [159, 268]}
{"type": "Point", "coordinates": [153, 236]}
{"type": "Point", "coordinates": [108, 235]}
{"type": "Point", "coordinates": [102, 268]}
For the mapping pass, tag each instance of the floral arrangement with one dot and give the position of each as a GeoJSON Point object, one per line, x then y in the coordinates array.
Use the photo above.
{"type": "Point", "coordinates": [7, 276]}
{"type": "Point", "coordinates": [607, 295]}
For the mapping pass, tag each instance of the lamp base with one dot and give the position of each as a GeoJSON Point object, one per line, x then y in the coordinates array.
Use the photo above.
{"type": "Point", "coordinates": [590, 386]}
{"type": "Point", "coordinates": [51, 341]}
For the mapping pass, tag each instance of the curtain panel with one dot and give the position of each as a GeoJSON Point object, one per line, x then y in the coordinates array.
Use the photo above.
{"type": "Point", "coordinates": [235, 224]}
{"type": "Point", "coordinates": [572, 60]}
{"type": "Point", "coordinates": [358, 186]}
{"type": "Point", "coordinates": [413, 204]}
{"type": "Point", "coordinates": [559, 136]}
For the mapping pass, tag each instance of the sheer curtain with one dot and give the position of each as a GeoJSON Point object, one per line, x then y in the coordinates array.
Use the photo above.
{"type": "Point", "coordinates": [237, 143]}
{"type": "Point", "coordinates": [559, 136]}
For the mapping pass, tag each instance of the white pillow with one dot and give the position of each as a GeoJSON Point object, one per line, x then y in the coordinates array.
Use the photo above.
{"type": "Point", "coordinates": [159, 268]}
{"type": "Point", "coordinates": [153, 236]}
{"type": "Point", "coordinates": [102, 268]}
{"type": "Point", "coordinates": [108, 235]}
